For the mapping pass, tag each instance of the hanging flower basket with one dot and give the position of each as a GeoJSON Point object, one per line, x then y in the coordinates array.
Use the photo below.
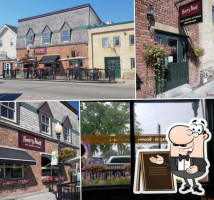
{"type": "Point", "coordinates": [154, 55]}
{"type": "Point", "coordinates": [67, 153]}
{"type": "Point", "coordinates": [195, 52]}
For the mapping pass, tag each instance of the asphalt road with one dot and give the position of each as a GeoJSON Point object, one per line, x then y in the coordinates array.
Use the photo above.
{"type": "Point", "coordinates": [45, 90]}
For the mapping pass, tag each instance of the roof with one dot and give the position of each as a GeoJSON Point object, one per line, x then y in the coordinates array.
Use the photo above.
{"type": "Point", "coordinates": [114, 24]}
{"type": "Point", "coordinates": [13, 28]}
{"type": "Point", "coordinates": [60, 11]}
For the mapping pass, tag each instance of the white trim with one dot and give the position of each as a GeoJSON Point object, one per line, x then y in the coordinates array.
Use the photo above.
{"type": "Point", "coordinates": [5, 26]}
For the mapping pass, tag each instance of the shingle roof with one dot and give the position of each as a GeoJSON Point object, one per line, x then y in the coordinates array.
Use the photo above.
{"type": "Point", "coordinates": [13, 28]}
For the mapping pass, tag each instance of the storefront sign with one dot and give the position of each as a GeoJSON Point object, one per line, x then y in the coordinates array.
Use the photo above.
{"type": "Point", "coordinates": [54, 157]}
{"type": "Point", "coordinates": [31, 142]}
{"type": "Point", "coordinates": [191, 13]}
{"type": "Point", "coordinates": [40, 51]}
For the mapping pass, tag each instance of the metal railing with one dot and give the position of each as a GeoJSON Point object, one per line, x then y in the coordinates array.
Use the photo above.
{"type": "Point", "coordinates": [79, 74]}
{"type": "Point", "coordinates": [68, 192]}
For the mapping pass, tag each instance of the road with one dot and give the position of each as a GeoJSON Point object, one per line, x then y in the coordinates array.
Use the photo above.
{"type": "Point", "coordinates": [48, 90]}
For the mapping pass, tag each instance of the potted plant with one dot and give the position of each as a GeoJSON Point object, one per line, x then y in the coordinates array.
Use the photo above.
{"type": "Point", "coordinates": [67, 153]}
{"type": "Point", "coordinates": [195, 52]}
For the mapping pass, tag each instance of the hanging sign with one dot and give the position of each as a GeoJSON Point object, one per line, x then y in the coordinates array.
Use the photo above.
{"type": "Point", "coordinates": [54, 157]}
{"type": "Point", "coordinates": [191, 13]}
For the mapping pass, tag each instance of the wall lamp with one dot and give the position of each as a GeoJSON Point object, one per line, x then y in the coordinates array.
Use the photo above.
{"type": "Point", "coordinates": [150, 15]}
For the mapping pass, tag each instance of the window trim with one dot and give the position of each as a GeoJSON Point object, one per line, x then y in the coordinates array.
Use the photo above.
{"type": "Point", "coordinates": [133, 61]}
{"type": "Point", "coordinates": [49, 38]}
{"type": "Point", "coordinates": [11, 41]}
{"type": "Point", "coordinates": [69, 134]}
{"type": "Point", "coordinates": [49, 125]}
{"type": "Point", "coordinates": [16, 113]}
{"type": "Point", "coordinates": [114, 41]}
{"type": "Point", "coordinates": [19, 167]}
{"type": "Point", "coordinates": [103, 42]}
{"type": "Point", "coordinates": [69, 35]}
{"type": "Point", "coordinates": [67, 124]}
{"type": "Point", "coordinates": [29, 40]}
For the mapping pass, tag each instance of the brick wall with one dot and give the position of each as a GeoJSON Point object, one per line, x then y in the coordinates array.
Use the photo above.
{"type": "Point", "coordinates": [9, 138]}
{"type": "Point", "coordinates": [63, 51]}
{"type": "Point", "coordinates": [166, 19]}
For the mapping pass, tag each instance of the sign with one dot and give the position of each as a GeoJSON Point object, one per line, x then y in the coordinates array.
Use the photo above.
{"type": "Point", "coordinates": [191, 13]}
{"type": "Point", "coordinates": [103, 139]}
{"type": "Point", "coordinates": [54, 157]}
{"type": "Point", "coordinates": [40, 51]}
{"type": "Point", "coordinates": [31, 142]}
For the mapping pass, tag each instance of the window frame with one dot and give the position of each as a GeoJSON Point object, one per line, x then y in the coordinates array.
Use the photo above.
{"type": "Point", "coordinates": [130, 40]}
{"type": "Point", "coordinates": [67, 134]}
{"type": "Point", "coordinates": [16, 167]}
{"type": "Point", "coordinates": [133, 63]}
{"type": "Point", "coordinates": [107, 42]}
{"type": "Point", "coordinates": [66, 123]}
{"type": "Point", "coordinates": [48, 37]}
{"type": "Point", "coordinates": [30, 44]}
{"type": "Point", "coordinates": [64, 41]}
{"type": "Point", "coordinates": [114, 41]}
{"type": "Point", "coordinates": [44, 123]}
{"type": "Point", "coordinates": [11, 41]}
{"type": "Point", "coordinates": [1, 43]}
{"type": "Point", "coordinates": [15, 110]}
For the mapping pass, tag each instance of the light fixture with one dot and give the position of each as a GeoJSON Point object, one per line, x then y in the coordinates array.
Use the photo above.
{"type": "Point", "coordinates": [150, 15]}
{"type": "Point", "coordinates": [58, 129]}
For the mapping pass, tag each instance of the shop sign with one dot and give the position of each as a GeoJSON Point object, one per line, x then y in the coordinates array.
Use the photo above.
{"type": "Point", "coordinates": [191, 13]}
{"type": "Point", "coordinates": [54, 157]}
{"type": "Point", "coordinates": [31, 142]}
{"type": "Point", "coordinates": [40, 51]}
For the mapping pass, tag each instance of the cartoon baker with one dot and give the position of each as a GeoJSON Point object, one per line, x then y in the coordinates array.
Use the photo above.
{"type": "Point", "coordinates": [188, 155]}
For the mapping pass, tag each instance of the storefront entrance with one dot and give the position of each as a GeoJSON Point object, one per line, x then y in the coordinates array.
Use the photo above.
{"type": "Point", "coordinates": [113, 63]}
{"type": "Point", "coordinates": [7, 68]}
{"type": "Point", "coordinates": [177, 63]}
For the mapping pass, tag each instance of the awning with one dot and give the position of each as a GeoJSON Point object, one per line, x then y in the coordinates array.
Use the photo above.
{"type": "Point", "coordinates": [47, 156]}
{"type": "Point", "coordinates": [14, 156]}
{"type": "Point", "coordinates": [73, 58]}
{"type": "Point", "coordinates": [72, 161]}
{"type": "Point", "coordinates": [49, 59]}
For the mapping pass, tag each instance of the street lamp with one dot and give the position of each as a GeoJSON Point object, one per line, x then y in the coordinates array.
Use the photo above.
{"type": "Point", "coordinates": [150, 15]}
{"type": "Point", "coordinates": [58, 131]}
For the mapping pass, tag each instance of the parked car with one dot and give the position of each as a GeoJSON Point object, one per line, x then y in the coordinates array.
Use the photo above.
{"type": "Point", "coordinates": [96, 160]}
{"type": "Point", "coordinates": [117, 162]}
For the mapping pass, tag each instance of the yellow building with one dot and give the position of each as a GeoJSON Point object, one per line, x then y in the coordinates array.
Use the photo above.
{"type": "Point", "coordinates": [112, 46]}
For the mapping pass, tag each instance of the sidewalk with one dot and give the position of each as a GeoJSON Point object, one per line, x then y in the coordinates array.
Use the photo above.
{"type": "Point", "coordinates": [33, 196]}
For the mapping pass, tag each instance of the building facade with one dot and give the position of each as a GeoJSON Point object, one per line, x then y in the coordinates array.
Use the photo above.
{"type": "Point", "coordinates": [112, 46]}
{"type": "Point", "coordinates": [27, 140]}
{"type": "Point", "coordinates": [57, 39]}
{"type": "Point", "coordinates": [164, 26]}
{"type": "Point", "coordinates": [8, 35]}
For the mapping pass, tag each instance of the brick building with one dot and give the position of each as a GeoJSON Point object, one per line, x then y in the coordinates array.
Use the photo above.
{"type": "Point", "coordinates": [27, 139]}
{"type": "Point", "coordinates": [164, 27]}
{"type": "Point", "coordinates": [57, 39]}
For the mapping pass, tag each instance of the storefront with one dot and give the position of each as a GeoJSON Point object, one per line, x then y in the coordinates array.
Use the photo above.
{"type": "Point", "coordinates": [25, 152]}
{"type": "Point", "coordinates": [181, 26]}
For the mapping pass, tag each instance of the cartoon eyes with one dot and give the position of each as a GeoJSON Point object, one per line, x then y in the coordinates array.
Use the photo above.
{"type": "Point", "coordinates": [195, 130]}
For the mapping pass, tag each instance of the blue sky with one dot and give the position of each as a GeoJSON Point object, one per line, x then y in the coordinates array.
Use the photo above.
{"type": "Point", "coordinates": [75, 104]}
{"type": "Point", "coordinates": [107, 10]}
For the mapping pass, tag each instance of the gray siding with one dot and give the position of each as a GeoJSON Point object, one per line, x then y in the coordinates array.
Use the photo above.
{"type": "Point", "coordinates": [78, 20]}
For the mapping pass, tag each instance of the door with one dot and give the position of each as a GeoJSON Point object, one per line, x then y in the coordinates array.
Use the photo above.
{"type": "Point", "coordinates": [113, 63]}
{"type": "Point", "coordinates": [7, 68]}
{"type": "Point", "coordinates": [177, 68]}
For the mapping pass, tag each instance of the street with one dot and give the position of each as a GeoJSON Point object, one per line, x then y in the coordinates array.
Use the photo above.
{"type": "Point", "coordinates": [19, 90]}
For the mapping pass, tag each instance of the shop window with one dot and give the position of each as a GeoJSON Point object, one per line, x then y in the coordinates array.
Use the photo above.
{"type": "Point", "coordinates": [67, 127]}
{"type": "Point", "coordinates": [12, 171]}
{"type": "Point", "coordinates": [1, 43]}
{"type": "Point", "coordinates": [11, 42]}
{"type": "Point", "coordinates": [131, 39]}
{"type": "Point", "coordinates": [105, 42]}
{"type": "Point", "coordinates": [8, 110]}
{"type": "Point", "coordinates": [30, 37]}
{"type": "Point", "coordinates": [45, 124]}
{"type": "Point", "coordinates": [75, 63]}
{"type": "Point", "coordinates": [159, 40]}
{"type": "Point", "coordinates": [1, 171]}
{"type": "Point", "coordinates": [45, 118]}
{"type": "Point", "coordinates": [105, 133]}
{"type": "Point", "coordinates": [47, 169]}
{"type": "Point", "coordinates": [132, 63]}
{"type": "Point", "coordinates": [117, 41]}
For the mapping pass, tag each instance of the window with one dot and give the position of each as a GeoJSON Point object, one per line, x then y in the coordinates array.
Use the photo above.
{"type": "Point", "coordinates": [11, 171]}
{"type": "Point", "coordinates": [47, 169]}
{"type": "Point", "coordinates": [131, 38]}
{"type": "Point", "coordinates": [45, 124]}
{"type": "Point", "coordinates": [213, 13]}
{"type": "Point", "coordinates": [116, 41]}
{"type": "Point", "coordinates": [1, 43]}
{"type": "Point", "coordinates": [46, 38]}
{"type": "Point", "coordinates": [65, 36]}
{"type": "Point", "coordinates": [173, 44]}
{"type": "Point", "coordinates": [67, 134]}
{"type": "Point", "coordinates": [105, 42]}
{"type": "Point", "coordinates": [8, 110]}
{"type": "Point", "coordinates": [30, 40]}
{"type": "Point", "coordinates": [132, 63]}
{"type": "Point", "coordinates": [11, 42]}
